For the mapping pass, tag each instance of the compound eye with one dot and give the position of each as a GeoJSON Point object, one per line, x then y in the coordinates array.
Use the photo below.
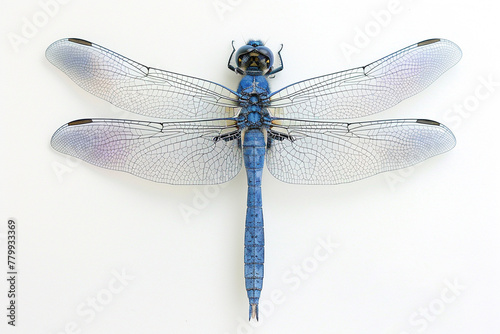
{"type": "Point", "coordinates": [265, 51]}
{"type": "Point", "coordinates": [244, 49]}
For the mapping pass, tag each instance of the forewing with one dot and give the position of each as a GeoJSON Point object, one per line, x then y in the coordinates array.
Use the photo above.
{"type": "Point", "coordinates": [314, 152]}
{"type": "Point", "coordinates": [138, 88]}
{"type": "Point", "coordinates": [168, 152]}
{"type": "Point", "coordinates": [369, 89]}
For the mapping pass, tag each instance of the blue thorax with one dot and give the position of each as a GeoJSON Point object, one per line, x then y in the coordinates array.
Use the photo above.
{"type": "Point", "coordinates": [254, 97]}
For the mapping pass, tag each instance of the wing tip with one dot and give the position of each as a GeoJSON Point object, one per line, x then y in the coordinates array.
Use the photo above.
{"type": "Point", "coordinates": [53, 49]}
{"type": "Point", "coordinates": [454, 46]}
{"type": "Point", "coordinates": [451, 136]}
{"type": "Point", "coordinates": [57, 142]}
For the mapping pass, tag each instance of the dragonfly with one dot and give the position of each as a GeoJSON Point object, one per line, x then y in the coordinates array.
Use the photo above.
{"type": "Point", "coordinates": [207, 131]}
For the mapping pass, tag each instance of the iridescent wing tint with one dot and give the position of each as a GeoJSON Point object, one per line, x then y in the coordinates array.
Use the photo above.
{"type": "Point", "coordinates": [169, 152]}
{"type": "Point", "coordinates": [315, 152]}
{"type": "Point", "coordinates": [138, 88]}
{"type": "Point", "coordinates": [369, 89]}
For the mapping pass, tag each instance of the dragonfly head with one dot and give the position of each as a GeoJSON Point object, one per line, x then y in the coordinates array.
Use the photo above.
{"type": "Point", "coordinates": [254, 57]}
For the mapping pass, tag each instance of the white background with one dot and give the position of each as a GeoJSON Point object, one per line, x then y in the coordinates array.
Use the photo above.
{"type": "Point", "coordinates": [402, 238]}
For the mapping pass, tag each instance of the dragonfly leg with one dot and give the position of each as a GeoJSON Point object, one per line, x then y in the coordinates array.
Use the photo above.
{"type": "Point", "coordinates": [231, 67]}
{"type": "Point", "coordinates": [277, 69]}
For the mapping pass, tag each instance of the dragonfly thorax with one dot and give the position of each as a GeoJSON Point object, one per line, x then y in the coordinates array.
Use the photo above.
{"type": "Point", "coordinates": [254, 90]}
{"type": "Point", "coordinates": [254, 118]}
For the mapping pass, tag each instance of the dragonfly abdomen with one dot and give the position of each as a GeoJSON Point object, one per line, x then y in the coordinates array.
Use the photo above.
{"type": "Point", "coordinates": [254, 152]}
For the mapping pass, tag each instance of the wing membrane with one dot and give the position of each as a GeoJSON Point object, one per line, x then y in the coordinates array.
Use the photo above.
{"type": "Point", "coordinates": [168, 152]}
{"type": "Point", "coordinates": [138, 88]}
{"type": "Point", "coordinates": [369, 89]}
{"type": "Point", "coordinates": [314, 152]}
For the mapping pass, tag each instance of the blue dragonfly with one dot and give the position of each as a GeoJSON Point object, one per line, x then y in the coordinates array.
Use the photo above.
{"type": "Point", "coordinates": [208, 130]}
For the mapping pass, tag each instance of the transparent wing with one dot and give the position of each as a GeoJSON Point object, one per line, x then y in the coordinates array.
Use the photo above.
{"type": "Point", "coordinates": [369, 89]}
{"type": "Point", "coordinates": [168, 152]}
{"type": "Point", "coordinates": [138, 88]}
{"type": "Point", "coordinates": [314, 152]}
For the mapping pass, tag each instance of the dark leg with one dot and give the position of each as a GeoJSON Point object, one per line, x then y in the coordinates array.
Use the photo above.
{"type": "Point", "coordinates": [276, 70]}
{"type": "Point", "coordinates": [231, 67]}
